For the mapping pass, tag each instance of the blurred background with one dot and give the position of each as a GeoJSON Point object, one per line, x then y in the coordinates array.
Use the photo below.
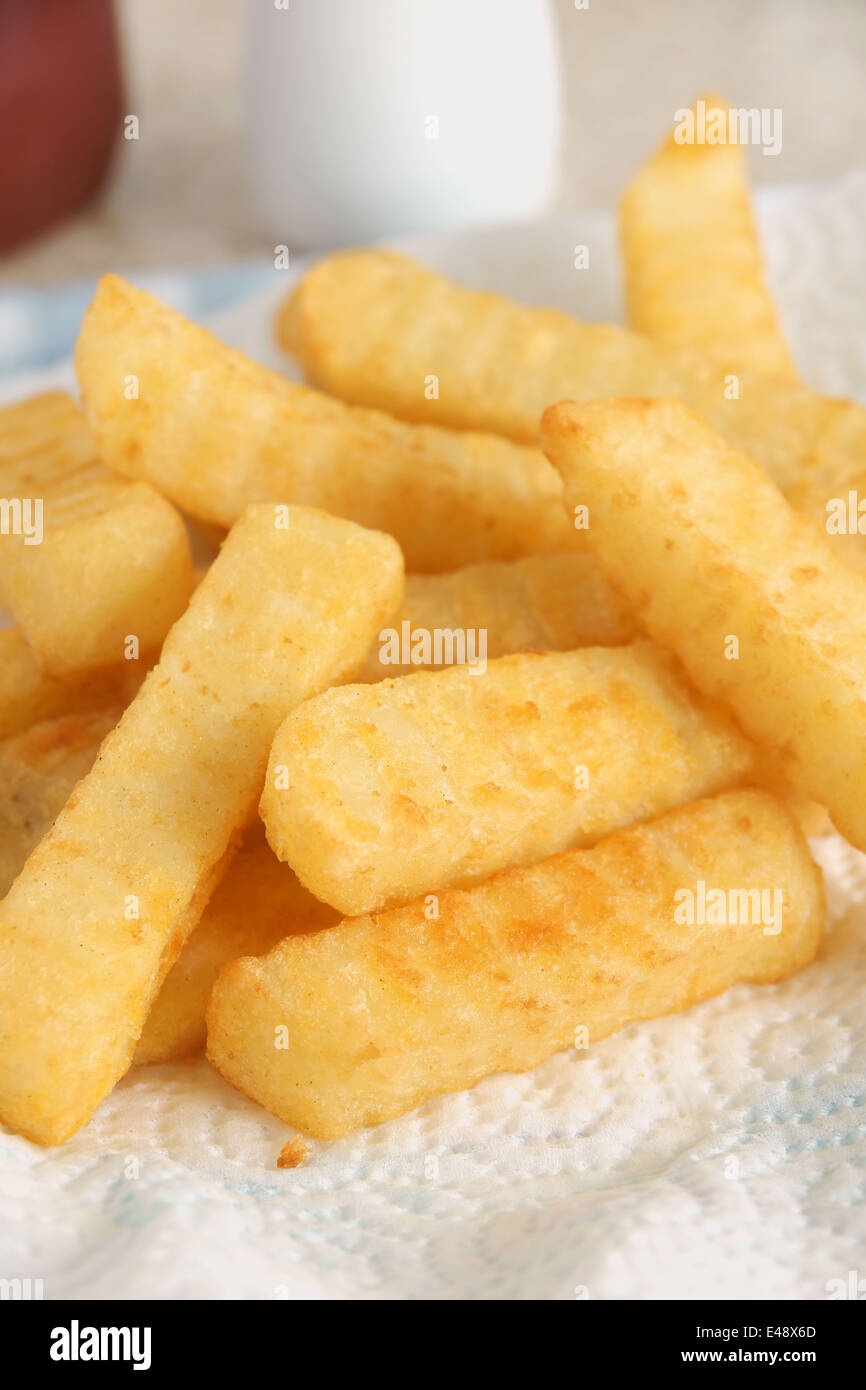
{"type": "Point", "coordinates": [201, 133]}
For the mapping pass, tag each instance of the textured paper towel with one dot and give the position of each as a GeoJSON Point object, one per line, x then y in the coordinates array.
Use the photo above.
{"type": "Point", "coordinates": [719, 1153]}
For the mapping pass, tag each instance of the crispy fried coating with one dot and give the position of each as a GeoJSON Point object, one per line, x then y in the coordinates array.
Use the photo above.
{"type": "Point", "coordinates": [213, 431]}
{"type": "Point", "coordinates": [550, 602]}
{"type": "Point", "coordinates": [258, 902]}
{"type": "Point", "coordinates": [103, 905]}
{"type": "Point", "coordinates": [38, 770]}
{"type": "Point", "coordinates": [513, 969]}
{"type": "Point", "coordinates": [376, 794]}
{"type": "Point", "coordinates": [555, 602]}
{"type": "Point", "coordinates": [718, 568]}
{"type": "Point", "coordinates": [29, 695]}
{"type": "Point", "coordinates": [369, 325]}
{"type": "Point", "coordinates": [104, 560]}
{"type": "Point", "coordinates": [694, 272]}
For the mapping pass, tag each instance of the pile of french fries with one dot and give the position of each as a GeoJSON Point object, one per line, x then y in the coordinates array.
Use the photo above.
{"type": "Point", "coordinates": [287, 810]}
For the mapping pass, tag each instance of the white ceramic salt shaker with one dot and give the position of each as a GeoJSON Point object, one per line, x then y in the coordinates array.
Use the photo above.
{"type": "Point", "coordinates": [376, 117]}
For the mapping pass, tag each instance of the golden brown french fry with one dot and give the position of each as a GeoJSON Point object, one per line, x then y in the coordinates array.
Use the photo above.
{"type": "Point", "coordinates": [87, 560]}
{"type": "Point", "coordinates": [510, 971]}
{"type": "Point", "coordinates": [371, 325]}
{"type": "Point", "coordinates": [694, 273]}
{"type": "Point", "coordinates": [29, 695]}
{"type": "Point", "coordinates": [549, 602]}
{"type": "Point", "coordinates": [376, 794]}
{"type": "Point", "coordinates": [718, 568]}
{"type": "Point", "coordinates": [100, 910]}
{"type": "Point", "coordinates": [214, 431]}
{"type": "Point", "coordinates": [38, 770]}
{"type": "Point", "coordinates": [555, 602]}
{"type": "Point", "coordinates": [258, 903]}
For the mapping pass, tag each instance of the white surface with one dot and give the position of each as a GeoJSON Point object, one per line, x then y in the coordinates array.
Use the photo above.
{"type": "Point", "coordinates": [718, 1153]}
{"type": "Point", "coordinates": [386, 117]}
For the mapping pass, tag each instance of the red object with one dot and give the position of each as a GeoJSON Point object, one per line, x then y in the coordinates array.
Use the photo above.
{"type": "Point", "coordinates": [60, 109]}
